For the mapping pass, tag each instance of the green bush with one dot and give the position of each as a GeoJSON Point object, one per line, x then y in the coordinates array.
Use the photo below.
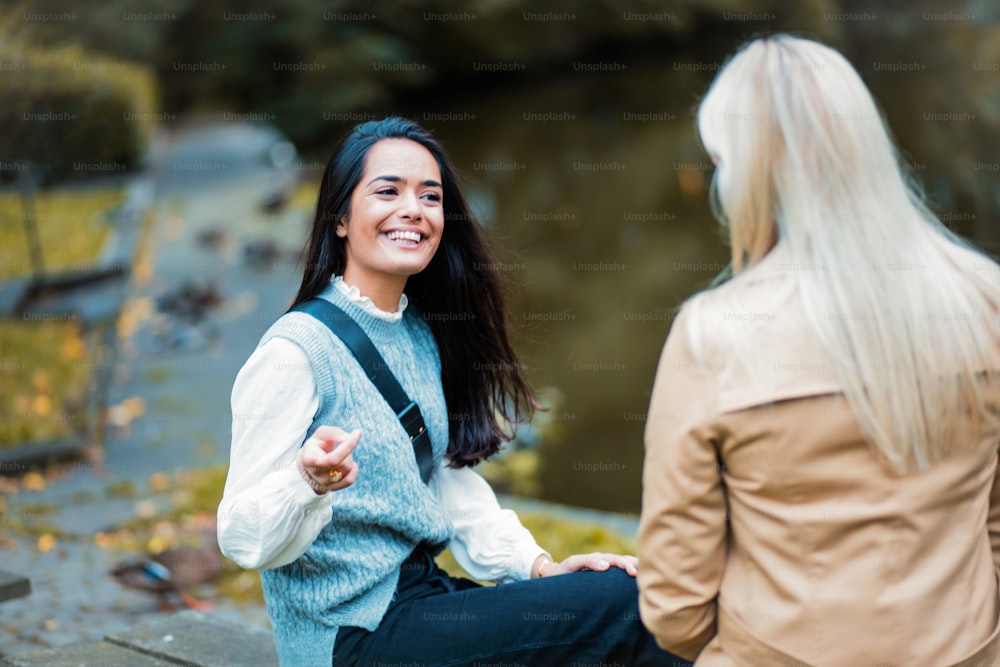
{"type": "Point", "coordinates": [76, 112]}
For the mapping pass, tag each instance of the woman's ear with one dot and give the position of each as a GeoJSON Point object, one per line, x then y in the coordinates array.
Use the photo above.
{"type": "Point", "coordinates": [342, 226]}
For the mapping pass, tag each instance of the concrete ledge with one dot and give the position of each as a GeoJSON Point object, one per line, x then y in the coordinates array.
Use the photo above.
{"type": "Point", "coordinates": [187, 638]}
{"type": "Point", "coordinates": [84, 654]}
{"type": "Point", "coordinates": [195, 639]}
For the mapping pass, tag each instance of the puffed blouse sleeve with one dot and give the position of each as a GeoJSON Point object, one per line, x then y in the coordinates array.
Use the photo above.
{"type": "Point", "coordinates": [269, 515]}
{"type": "Point", "coordinates": [489, 543]}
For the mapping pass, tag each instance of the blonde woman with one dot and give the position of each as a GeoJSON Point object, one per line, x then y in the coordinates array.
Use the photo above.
{"type": "Point", "coordinates": [820, 481]}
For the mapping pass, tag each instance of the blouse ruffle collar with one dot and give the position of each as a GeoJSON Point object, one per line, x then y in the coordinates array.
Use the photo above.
{"type": "Point", "coordinates": [366, 304]}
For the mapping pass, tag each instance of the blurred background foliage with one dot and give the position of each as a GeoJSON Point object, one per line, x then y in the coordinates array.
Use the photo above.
{"type": "Point", "coordinates": [89, 108]}
{"type": "Point", "coordinates": [590, 338]}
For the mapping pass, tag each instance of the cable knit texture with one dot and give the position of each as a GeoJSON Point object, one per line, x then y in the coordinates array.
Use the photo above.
{"type": "Point", "coordinates": [349, 574]}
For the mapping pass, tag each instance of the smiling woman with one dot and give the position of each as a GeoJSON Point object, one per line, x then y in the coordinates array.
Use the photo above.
{"type": "Point", "coordinates": [346, 531]}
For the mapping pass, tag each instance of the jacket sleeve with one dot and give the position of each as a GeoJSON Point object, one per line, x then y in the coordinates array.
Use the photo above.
{"type": "Point", "coordinates": [682, 528]}
{"type": "Point", "coordinates": [993, 519]}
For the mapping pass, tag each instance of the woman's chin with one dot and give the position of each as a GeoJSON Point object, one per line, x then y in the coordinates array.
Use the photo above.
{"type": "Point", "coordinates": [408, 264]}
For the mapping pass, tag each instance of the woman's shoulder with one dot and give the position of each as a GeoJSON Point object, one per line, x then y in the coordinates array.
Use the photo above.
{"type": "Point", "coordinates": [295, 326]}
{"type": "Point", "coordinates": [745, 301]}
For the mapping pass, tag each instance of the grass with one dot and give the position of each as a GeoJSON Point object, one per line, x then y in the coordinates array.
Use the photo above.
{"type": "Point", "coordinates": [45, 373]}
{"type": "Point", "coordinates": [196, 495]}
{"type": "Point", "coordinates": [72, 229]}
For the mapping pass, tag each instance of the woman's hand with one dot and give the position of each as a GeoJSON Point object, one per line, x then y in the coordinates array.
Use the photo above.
{"type": "Point", "coordinates": [326, 457]}
{"type": "Point", "coordinates": [597, 561]}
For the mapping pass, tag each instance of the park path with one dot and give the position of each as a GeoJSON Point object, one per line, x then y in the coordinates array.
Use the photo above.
{"type": "Point", "coordinates": [199, 234]}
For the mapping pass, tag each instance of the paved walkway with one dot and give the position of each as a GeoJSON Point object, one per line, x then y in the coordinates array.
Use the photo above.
{"type": "Point", "coordinates": [185, 424]}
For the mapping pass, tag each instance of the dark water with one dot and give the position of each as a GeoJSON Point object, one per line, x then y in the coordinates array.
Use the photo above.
{"type": "Point", "coordinates": [595, 190]}
{"type": "Point", "coordinates": [595, 193]}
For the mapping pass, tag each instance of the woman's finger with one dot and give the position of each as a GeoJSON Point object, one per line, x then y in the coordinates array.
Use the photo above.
{"type": "Point", "coordinates": [594, 561]}
{"type": "Point", "coordinates": [628, 563]}
{"type": "Point", "coordinates": [343, 475]}
{"type": "Point", "coordinates": [319, 454]}
{"type": "Point", "coordinates": [343, 450]}
{"type": "Point", "coordinates": [330, 434]}
{"type": "Point", "coordinates": [600, 562]}
{"type": "Point", "coordinates": [352, 474]}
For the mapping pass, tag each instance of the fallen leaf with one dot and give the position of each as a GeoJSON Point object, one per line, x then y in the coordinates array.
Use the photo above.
{"type": "Point", "coordinates": [122, 414]}
{"type": "Point", "coordinates": [33, 481]}
{"type": "Point", "coordinates": [41, 405]}
{"type": "Point", "coordinates": [46, 543]}
{"type": "Point", "coordinates": [158, 543]}
{"type": "Point", "coordinates": [102, 540]}
{"type": "Point", "coordinates": [134, 405]}
{"type": "Point", "coordinates": [40, 380]}
{"type": "Point", "coordinates": [144, 509]}
{"type": "Point", "coordinates": [73, 348]}
{"type": "Point", "coordinates": [50, 624]}
{"type": "Point", "coordinates": [159, 482]}
{"type": "Point", "coordinates": [133, 313]}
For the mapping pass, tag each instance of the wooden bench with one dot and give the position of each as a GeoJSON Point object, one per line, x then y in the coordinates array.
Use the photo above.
{"type": "Point", "coordinates": [188, 638]}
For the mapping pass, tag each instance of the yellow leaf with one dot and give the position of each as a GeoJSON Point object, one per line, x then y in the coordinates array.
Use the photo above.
{"type": "Point", "coordinates": [135, 406]}
{"type": "Point", "coordinates": [46, 543]}
{"type": "Point", "coordinates": [159, 482]}
{"type": "Point", "coordinates": [158, 543]}
{"type": "Point", "coordinates": [41, 405]}
{"type": "Point", "coordinates": [50, 624]}
{"type": "Point", "coordinates": [73, 348]}
{"type": "Point", "coordinates": [134, 312]}
{"type": "Point", "coordinates": [40, 380]}
{"type": "Point", "coordinates": [102, 540]}
{"type": "Point", "coordinates": [33, 481]}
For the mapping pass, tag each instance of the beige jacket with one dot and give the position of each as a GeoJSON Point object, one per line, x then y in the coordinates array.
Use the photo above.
{"type": "Point", "coordinates": [771, 534]}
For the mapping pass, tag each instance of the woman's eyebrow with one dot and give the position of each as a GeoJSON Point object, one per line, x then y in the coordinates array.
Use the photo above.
{"type": "Point", "coordinates": [399, 179]}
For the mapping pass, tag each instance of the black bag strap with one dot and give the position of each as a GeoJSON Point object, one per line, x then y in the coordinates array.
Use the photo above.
{"type": "Point", "coordinates": [350, 332]}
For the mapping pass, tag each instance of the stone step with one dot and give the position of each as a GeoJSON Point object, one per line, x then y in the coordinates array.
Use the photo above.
{"type": "Point", "coordinates": [193, 638]}
{"type": "Point", "coordinates": [188, 638]}
{"type": "Point", "coordinates": [85, 654]}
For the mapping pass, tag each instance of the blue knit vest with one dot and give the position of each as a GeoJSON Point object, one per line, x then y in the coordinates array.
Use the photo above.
{"type": "Point", "coordinates": [349, 574]}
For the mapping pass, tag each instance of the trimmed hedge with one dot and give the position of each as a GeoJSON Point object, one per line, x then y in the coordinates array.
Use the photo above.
{"type": "Point", "coordinates": [76, 112]}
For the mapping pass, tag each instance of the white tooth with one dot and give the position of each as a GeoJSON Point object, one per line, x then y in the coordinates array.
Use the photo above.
{"type": "Point", "coordinates": [403, 235]}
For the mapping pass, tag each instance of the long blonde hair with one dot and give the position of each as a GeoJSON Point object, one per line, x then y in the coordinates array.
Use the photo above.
{"type": "Point", "coordinates": [806, 161]}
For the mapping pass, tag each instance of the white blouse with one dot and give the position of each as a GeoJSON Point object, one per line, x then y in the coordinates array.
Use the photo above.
{"type": "Point", "coordinates": [269, 515]}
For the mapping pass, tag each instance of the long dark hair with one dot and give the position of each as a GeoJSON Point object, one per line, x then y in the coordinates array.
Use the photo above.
{"type": "Point", "coordinates": [460, 295]}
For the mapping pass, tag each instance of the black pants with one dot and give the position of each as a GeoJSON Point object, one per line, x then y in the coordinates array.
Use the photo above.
{"type": "Point", "coordinates": [580, 619]}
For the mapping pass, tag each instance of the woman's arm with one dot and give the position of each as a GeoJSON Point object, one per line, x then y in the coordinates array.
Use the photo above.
{"type": "Point", "coordinates": [269, 515]}
{"type": "Point", "coordinates": [993, 518]}
{"type": "Point", "coordinates": [682, 529]}
{"type": "Point", "coordinates": [490, 543]}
